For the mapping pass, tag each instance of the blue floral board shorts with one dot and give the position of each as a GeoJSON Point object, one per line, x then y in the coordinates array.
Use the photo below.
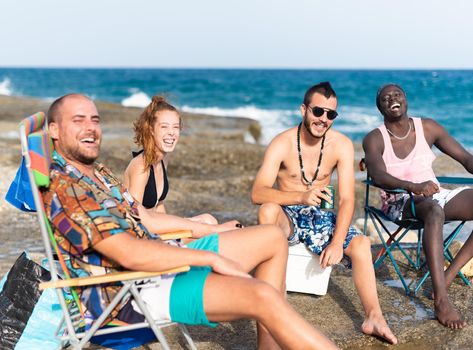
{"type": "Point", "coordinates": [314, 227]}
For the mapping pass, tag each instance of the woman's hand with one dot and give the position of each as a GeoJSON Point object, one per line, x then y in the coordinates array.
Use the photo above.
{"type": "Point", "coordinates": [228, 226]}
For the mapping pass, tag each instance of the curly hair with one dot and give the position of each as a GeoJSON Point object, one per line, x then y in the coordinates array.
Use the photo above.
{"type": "Point", "coordinates": [144, 128]}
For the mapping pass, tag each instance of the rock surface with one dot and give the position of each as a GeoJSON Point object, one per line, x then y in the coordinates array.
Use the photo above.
{"type": "Point", "coordinates": [212, 170]}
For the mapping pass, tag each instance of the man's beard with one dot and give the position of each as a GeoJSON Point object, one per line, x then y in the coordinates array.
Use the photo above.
{"type": "Point", "coordinates": [82, 158]}
{"type": "Point", "coordinates": [307, 127]}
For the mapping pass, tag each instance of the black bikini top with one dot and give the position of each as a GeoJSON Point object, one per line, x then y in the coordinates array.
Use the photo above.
{"type": "Point", "coordinates": [150, 195]}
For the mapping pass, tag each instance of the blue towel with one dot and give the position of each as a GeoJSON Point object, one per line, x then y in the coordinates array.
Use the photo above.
{"type": "Point", "coordinates": [19, 194]}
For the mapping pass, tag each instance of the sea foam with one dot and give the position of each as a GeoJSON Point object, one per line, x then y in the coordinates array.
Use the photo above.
{"type": "Point", "coordinates": [356, 120]}
{"type": "Point", "coordinates": [5, 87]}
{"type": "Point", "coordinates": [137, 99]}
{"type": "Point", "coordinates": [352, 120]}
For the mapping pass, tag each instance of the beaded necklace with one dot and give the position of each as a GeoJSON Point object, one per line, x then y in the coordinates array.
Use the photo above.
{"type": "Point", "coordinates": [309, 183]}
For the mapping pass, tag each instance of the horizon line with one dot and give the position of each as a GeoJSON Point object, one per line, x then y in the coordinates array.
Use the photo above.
{"type": "Point", "coordinates": [241, 68]}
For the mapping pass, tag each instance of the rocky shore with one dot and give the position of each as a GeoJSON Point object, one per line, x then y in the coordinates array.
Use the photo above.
{"type": "Point", "coordinates": [212, 170]}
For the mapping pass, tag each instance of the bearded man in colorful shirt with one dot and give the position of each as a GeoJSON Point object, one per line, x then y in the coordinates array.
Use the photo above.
{"type": "Point", "coordinates": [103, 228]}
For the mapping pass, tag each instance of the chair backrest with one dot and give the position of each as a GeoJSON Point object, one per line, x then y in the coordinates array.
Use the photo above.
{"type": "Point", "coordinates": [36, 148]}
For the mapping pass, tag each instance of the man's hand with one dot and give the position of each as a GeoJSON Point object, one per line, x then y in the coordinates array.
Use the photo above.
{"type": "Point", "coordinates": [315, 195]}
{"type": "Point", "coordinates": [426, 188]}
{"type": "Point", "coordinates": [331, 255]}
{"type": "Point", "coordinates": [225, 266]}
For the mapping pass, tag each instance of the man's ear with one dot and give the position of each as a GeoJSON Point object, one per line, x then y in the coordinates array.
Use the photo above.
{"type": "Point", "coordinates": [53, 131]}
{"type": "Point", "coordinates": [303, 109]}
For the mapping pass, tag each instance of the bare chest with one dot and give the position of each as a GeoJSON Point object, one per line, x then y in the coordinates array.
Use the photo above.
{"type": "Point", "coordinates": [295, 175]}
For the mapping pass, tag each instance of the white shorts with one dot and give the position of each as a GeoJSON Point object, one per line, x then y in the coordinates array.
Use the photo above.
{"type": "Point", "coordinates": [395, 209]}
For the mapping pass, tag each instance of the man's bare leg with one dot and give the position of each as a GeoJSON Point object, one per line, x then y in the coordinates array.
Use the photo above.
{"type": "Point", "coordinates": [359, 251]}
{"type": "Point", "coordinates": [271, 213]}
{"type": "Point", "coordinates": [263, 248]}
{"type": "Point", "coordinates": [229, 298]}
{"type": "Point", "coordinates": [460, 207]}
{"type": "Point", "coordinates": [362, 265]}
{"type": "Point", "coordinates": [433, 217]}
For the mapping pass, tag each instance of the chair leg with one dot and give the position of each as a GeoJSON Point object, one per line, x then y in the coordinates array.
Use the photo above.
{"type": "Point", "coordinates": [419, 262]}
{"type": "Point", "coordinates": [69, 328]}
{"type": "Point", "coordinates": [382, 251]}
{"type": "Point", "coordinates": [156, 330]}
{"type": "Point", "coordinates": [99, 321]}
{"type": "Point", "coordinates": [187, 336]}
{"type": "Point", "coordinates": [391, 257]}
{"type": "Point", "coordinates": [449, 257]}
{"type": "Point", "coordinates": [391, 243]}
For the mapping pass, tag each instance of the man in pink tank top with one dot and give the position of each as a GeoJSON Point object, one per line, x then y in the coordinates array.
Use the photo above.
{"type": "Point", "coordinates": [398, 155]}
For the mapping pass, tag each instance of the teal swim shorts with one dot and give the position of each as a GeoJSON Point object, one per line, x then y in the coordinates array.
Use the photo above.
{"type": "Point", "coordinates": [186, 304]}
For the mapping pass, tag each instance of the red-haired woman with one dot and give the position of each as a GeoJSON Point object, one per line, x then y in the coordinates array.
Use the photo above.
{"type": "Point", "coordinates": [157, 132]}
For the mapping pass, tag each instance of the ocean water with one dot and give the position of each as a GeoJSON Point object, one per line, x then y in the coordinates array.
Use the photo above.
{"type": "Point", "coordinates": [270, 96]}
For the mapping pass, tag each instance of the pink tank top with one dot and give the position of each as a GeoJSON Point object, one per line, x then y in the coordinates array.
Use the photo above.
{"type": "Point", "coordinates": [416, 167]}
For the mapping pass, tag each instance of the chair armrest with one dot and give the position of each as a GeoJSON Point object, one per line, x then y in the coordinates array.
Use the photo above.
{"type": "Point", "coordinates": [108, 278]}
{"type": "Point", "coordinates": [453, 180]}
{"type": "Point", "coordinates": [176, 235]}
{"type": "Point", "coordinates": [447, 180]}
{"type": "Point", "coordinates": [370, 182]}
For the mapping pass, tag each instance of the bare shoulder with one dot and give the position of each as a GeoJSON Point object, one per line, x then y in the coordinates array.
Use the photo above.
{"type": "Point", "coordinates": [430, 124]}
{"type": "Point", "coordinates": [433, 131]}
{"type": "Point", "coordinates": [136, 166]}
{"type": "Point", "coordinates": [283, 140]}
{"type": "Point", "coordinates": [373, 139]}
{"type": "Point", "coordinates": [373, 135]}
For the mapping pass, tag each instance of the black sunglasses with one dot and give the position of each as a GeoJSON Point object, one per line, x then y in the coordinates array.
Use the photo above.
{"type": "Point", "coordinates": [319, 111]}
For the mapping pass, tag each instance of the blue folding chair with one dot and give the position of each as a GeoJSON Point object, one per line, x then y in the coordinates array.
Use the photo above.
{"type": "Point", "coordinates": [396, 235]}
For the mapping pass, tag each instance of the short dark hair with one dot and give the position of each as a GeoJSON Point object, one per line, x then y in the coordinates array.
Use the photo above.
{"type": "Point", "coordinates": [53, 111]}
{"type": "Point", "coordinates": [378, 94]}
{"type": "Point", "coordinates": [323, 88]}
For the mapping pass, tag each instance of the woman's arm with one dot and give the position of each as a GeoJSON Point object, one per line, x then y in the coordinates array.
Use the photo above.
{"type": "Point", "coordinates": [162, 223]}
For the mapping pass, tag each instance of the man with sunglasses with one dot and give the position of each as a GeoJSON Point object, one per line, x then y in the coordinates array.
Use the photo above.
{"type": "Point", "coordinates": [398, 155]}
{"type": "Point", "coordinates": [300, 162]}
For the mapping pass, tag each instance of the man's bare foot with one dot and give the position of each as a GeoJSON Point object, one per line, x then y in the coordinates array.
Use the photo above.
{"type": "Point", "coordinates": [447, 315]}
{"type": "Point", "coordinates": [376, 325]}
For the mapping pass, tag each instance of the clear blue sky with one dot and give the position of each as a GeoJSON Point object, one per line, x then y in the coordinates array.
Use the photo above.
{"type": "Point", "coordinates": [237, 33]}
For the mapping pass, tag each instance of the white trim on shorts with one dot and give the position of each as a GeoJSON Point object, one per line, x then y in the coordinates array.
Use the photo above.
{"type": "Point", "coordinates": [445, 195]}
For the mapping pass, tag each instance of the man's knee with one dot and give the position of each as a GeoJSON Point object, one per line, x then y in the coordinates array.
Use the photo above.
{"type": "Point", "coordinates": [268, 213]}
{"type": "Point", "coordinates": [434, 214]}
{"type": "Point", "coordinates": [360, 247]}
{"type": "Point", "coordinates": [275, 237]}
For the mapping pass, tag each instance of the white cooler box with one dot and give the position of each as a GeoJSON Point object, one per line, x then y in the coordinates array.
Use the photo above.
{"type": "Point", "coordinates": [304, 273]}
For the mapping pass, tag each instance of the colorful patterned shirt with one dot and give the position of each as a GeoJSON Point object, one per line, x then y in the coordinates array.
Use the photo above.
{"type": "Point", "coordinates": [83, 214]}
